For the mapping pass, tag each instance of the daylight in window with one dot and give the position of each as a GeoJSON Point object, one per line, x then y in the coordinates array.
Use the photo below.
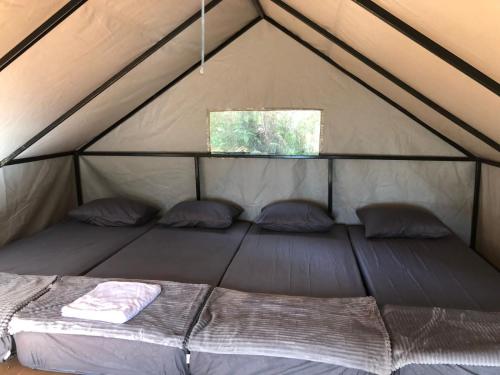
{"type": "Point", "coordinates": [281, 132]}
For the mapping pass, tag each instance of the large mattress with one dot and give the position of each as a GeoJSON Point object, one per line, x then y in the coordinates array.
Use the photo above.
{"type": "Point", "coordinates": [190, 255]}
{"type": "Point", "coordinates": [67, 248]}
{"type": "Point", "coordinates": [307, 264]}
{"type": "Point", "coordinates": [426, 272]}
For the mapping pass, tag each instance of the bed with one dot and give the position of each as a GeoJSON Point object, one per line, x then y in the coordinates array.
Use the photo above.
{"type": "Point", "coordinates": [70, 247]}
{"type": "Point", "coordinates": [152, 343]}
{"type": "Point", "coordinates": [303, 264]}
{"type": "Point", "coordinates": [441, 272]}
{"type": "Point", "coordinates": [189, 255]}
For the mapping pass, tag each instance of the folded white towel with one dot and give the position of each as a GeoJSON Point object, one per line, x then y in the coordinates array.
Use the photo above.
{"type": "Point", "coordinates": [112, 301]}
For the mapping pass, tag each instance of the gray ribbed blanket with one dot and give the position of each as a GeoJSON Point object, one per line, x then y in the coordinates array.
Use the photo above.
{"type": "Point", "coordinates": [15, 292]}
{"type": "Point", "coordinates": [421, 335]}
{"type": "Point", "coordinates": [166, 321]}
{"type": "Point", "coordinates": [341, 331]}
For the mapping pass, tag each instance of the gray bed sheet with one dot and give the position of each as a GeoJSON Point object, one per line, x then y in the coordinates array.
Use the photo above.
{"type": "Point", "coordinates": [190, 255]}
{"type": "Point", "coordinates": [98, 355]}
{"type": "Point", "coordinates": [229, 364]}
{"type": "Point", "coordinates": [67, 248]}
{"type": "Point", "coordinates": [447, 370]}
{"type": "Point", "coordinates": [306, 264]}
{"type": "Point", "coordinates": [440, 272]}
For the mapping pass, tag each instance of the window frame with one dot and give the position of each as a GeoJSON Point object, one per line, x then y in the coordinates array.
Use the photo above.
{"type": "Point", "coordinates": [267, 109]}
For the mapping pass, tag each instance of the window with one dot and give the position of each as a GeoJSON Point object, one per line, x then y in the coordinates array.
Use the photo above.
{"type": "Point", "coordinates": [283, 132]}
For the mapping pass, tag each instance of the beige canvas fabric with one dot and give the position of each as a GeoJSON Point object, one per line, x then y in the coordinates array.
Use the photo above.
{"type": "Point", "coordinates": [20, 18]}
{"type": "Point", "coordinates": [489, 214]}
{"type": "Point", "coordinates": [34, 195]}
{"type": "Point", "coordinates": [265, 68]}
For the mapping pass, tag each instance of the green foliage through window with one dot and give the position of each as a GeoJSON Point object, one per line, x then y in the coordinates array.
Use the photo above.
{"type": "Point", "coordinates": [283, 132]}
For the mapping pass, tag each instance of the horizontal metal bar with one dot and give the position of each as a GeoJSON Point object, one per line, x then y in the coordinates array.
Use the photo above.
{"type": "Point", "coordinates": [167, 87]}
{"type": "Point", "coordinates": [430, 45]}
{"type": "Point", "coordinates": [115, 78]}
{"type": "Point", "coordinates": [40, 32]}
{"type": "Point", "coordinates": [368, 87]}
{"type": "Point", "coordinates": [261, 156]}
{"type": "Point", "coordinates": [379, 69]}
{"type": "Point", "coordinates": [491, 162]}
{"type": "Point", "coordinates": [39, 158]}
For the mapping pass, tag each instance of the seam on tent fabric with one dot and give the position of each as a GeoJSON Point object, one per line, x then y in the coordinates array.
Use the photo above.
{"type": "Point", "coordinates": [172, 83]}
{"type": "Point", "coordinates": [431, 46]}
{"type": "Point", "coordinates": [109, 82]}
{"type": "Point", "coordinates": [258, 7]}
{"type": "Point", "coordinates": [40, 32]}
{"type": "Point", "coordinates": [367, 86]}
{"type": "Point", "coordinates": [379, 69]}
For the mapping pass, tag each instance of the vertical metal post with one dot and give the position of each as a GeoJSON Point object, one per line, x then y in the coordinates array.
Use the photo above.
{"type": "Point", "coordinates": [330, 185]}
{"type": "Point", "coordinates": [78, 178]}
{"type": "Point", "coordinates": [475, 207]}
{"type": "Point", "coordinates": [197, 176]}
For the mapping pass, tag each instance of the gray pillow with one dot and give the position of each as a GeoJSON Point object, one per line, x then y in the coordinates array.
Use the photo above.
{"type": "Point", "coordinates": [201, 214]}
{"type": "Point", "coordinates": [391, 220]}
{"type": "Point", "coordinates": [294, 217]}
{"type": "Point", "coordinates": [114, 212]}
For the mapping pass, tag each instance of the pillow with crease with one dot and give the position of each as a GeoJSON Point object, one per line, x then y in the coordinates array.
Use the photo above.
{"type": "Point", "coordinates": [201, 214]}
{"type": "Point", "coordinates": [391, 220]}
{"type": "Point", "coordinates": [114, 212]}
{"type": "Point", "coordinates": [292, 216]}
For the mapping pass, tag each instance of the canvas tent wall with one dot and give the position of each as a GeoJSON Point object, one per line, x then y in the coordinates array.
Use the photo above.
{"type": "Point", "coordinates": [399, 122]}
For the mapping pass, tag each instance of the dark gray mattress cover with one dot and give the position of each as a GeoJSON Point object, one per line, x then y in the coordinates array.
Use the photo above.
{"type": "Point", "coordinates": [307, 264]}
{"type": "Point", "coordinates": [97, 355]}
{"type": "Point", "coordinates": [447, 370]}
{"type": "Point", "coordinates": [191, 255]}
{"type": "Point", "coordinates": [230, 364]}
{"type": "Point", "coordinates": [68, 248]}
{"type": "Point", "coordinates": [440, 272]}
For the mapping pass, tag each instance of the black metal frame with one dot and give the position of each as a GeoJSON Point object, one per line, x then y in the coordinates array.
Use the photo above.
{"type": "Point", "coordinates": [379, 69]}
{"type": "Point", "coordinates": [40, 32]}
{"type": "Point", "coordinates": [110, 82]}
{"type": "Point", "coordinates": [330, 157]}
{"type": "Point", "coordinates": [172, 83]}
{"type": "Point", "coordinates": [430, 45]}
{"type": "Point", "coordinates": [39, 158]}
{"type": "Point", "coordinates": [78, 178]}
{"type": "Point", "coordinates": [367, 86]}
{"type": "Point", "coordinates": [475, 205]}
{"type": "Point", "coordinates": [258, 7]}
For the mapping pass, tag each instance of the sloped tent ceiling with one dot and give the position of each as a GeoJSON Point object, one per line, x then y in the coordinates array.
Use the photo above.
{"type": "Point", "coordinates": [406, 60]}
{"type": "Point", "coordinates": [83, 51]}
{"type": "Point", "coordinates": [103, 36]}
{"type": "Point", "coordinates": [20, 18]}
{"type": "Point", "coordinates": [265, 68]}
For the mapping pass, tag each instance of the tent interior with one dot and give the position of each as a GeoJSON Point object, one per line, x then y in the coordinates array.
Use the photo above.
{"type": "Point", "coordinates": [124, 99]}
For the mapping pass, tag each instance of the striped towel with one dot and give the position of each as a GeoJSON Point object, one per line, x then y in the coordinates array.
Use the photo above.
{"type": "Point", "coordinates": [345, 332]}
{"type": "Point", "coordinates": [15, 292]}
{"type": "Point", "coordinates": [424, 335]}
{"type": "Point", "coordinates": [166, 321]}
